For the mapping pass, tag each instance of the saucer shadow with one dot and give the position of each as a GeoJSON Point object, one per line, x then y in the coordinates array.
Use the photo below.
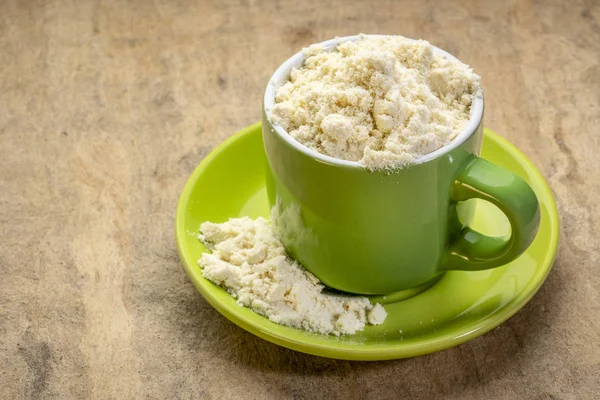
{"type": "Point", "coordinates": [495, 355]}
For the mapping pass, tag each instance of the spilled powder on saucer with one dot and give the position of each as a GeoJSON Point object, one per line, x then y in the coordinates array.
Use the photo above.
{"type": "Point", "coordinates": [250, 262]}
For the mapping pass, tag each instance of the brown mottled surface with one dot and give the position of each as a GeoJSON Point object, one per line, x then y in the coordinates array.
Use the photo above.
{"type": "Point", "coordinates": [107, 107]}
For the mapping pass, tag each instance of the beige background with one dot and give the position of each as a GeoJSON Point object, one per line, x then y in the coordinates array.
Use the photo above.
{"type": "Point", "coordinates": [106, 107]}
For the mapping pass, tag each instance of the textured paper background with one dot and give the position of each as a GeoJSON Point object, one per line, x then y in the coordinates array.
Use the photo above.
{"type": "Point", "coordinates": [106, 107]}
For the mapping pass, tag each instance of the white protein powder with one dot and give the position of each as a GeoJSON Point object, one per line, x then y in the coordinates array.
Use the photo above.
{"type": "Point", "coordinates": [252, 265]}
{"type": "Point", "coordinates": [381, 101]}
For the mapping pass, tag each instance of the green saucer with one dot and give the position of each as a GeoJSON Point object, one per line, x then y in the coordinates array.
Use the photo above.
{"type": "Point", "coordinates": [461, 306]}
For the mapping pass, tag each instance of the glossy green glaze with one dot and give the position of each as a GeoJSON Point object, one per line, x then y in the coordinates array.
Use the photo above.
{"type": "Point", "coordinates": [380, 232]}
{"type": "Point", "coordinates": [230, 182]}
{"type": "Point", "coordinates": [480, 179]}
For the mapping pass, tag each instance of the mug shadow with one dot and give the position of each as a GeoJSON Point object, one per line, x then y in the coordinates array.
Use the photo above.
{"type": "Point", "coordinates": [492, 356]}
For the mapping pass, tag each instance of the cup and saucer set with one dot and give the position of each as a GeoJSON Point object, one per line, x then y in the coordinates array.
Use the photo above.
{"type": "Point", "coordinates": [452, 245]}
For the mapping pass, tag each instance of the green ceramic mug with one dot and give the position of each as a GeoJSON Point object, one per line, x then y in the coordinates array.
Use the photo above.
{"type": "Point", "coordinates": [379, 232]}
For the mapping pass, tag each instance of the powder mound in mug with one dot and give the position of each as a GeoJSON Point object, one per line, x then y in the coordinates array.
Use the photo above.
{"type": "Point", "coordinates": [252, 265]}
{"type": "Point", "coordinates": [381, 101]}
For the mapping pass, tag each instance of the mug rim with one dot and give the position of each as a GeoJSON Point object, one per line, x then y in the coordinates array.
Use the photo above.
{"type": "Point", "coordinates": [281, 75]}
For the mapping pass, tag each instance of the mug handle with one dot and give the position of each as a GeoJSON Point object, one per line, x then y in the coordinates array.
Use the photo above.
{"type": "Point", "coordinates": [480, 179]}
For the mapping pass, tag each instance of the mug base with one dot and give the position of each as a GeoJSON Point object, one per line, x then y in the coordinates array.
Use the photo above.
{"type": "Point", "coordinates": [394, 297]}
